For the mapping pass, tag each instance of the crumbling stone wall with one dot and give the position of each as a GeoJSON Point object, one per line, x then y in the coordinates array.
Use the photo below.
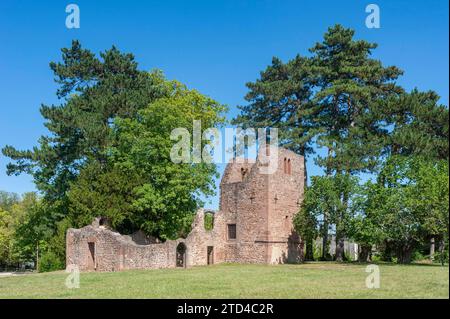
{"type": "Point", "coordinates": [261, 206]}
{"type": "Point", "coordinates": [101, 249]}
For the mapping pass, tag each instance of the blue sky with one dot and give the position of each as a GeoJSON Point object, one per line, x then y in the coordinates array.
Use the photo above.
{"type": "Point", "coordinates": [213, 46]}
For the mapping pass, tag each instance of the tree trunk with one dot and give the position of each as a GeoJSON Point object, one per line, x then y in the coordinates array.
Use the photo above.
{"type": "Point", "coordinates": [339, 249]}
{"type": "Point", "coordinates": [325, 239]}
{"type": "Point", "coordinates": [302, 250]}
{"type": "Point", "coordinates": [325, 214]}
{"type": "Point", "coordinates": [432, 248]}
{"type": "Point", "coordinates": [364, 253]}
{"type": "Point", "coordinates": [305, 177]}
{"type": "Point", "coordinates": [302, 152]}
{"type": "Point", "coordinates": [441, 251]}
{"type": "Point", "coordinates": [309, 249]}
{"type": "Point", "coordinates": [388, 251]}
{"type": "Point", "coordinates": [37, 257]}
{"type": "Point", "coordinates": [340, 226]}
{"type": "Point", "coordinates": [404, 253]}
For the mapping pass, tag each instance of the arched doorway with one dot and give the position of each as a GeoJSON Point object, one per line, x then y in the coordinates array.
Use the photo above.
{"type": "Point", "coordinates": [181, 255]}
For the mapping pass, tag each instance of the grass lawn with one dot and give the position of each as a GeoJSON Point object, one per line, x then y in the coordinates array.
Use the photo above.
{"type": "Point", "coordinates": [310, 280]}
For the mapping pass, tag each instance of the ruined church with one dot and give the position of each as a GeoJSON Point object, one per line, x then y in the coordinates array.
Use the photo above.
{"type": "Point", "coordinates": [254, 224]}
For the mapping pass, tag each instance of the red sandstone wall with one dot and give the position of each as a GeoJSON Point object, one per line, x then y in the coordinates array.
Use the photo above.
{"type": "Point", "coordinates": [113, 252]}
{"type": "Point", "coordinates": [262, 206]}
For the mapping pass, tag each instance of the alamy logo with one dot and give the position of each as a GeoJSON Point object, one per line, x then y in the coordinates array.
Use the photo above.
{"type": "Point", "coordinates": [207, 146]}
{"type": "Point", "coordinates": [73, 279]}
{"type": "Point", "coordinates": [373, 19]}
{"type": "Point", "coordinates": [373, 279]}
{"type": "Point", "coordinates": [73, 19]}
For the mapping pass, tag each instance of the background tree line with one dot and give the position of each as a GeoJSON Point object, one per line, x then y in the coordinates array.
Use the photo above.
{"type": "Point", "coordinates": [341, 100]}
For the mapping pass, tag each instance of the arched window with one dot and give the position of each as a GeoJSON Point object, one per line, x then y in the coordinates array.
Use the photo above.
{"type": "Point", "coordinates": [289, 166]}
{"type": "Point", "coordinates": [285, 165]}
{"type": "Point", "coordinates": [208, 220]}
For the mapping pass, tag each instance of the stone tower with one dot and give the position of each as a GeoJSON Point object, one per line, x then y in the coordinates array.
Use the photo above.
{"type": "Point", "coordinates": [259, 208]}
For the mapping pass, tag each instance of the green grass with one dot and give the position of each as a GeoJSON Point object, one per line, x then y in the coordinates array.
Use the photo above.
{"type": "Point", "coordinates": [310, 280]}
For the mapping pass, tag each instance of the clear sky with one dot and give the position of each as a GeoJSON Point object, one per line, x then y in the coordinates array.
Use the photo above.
{"type": "Point", "coordinates": [213, 46]}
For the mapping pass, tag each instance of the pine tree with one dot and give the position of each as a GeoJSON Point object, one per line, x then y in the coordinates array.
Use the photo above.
{"type": "Point", "coordinates": [281, 98]}
{"type": "Point", "coordinates": [330, 99]}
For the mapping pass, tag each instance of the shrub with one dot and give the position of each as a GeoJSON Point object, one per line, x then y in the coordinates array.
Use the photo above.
{"type": "Point", "coordinates": [49, 261]}
{"type": "Point", "coordinates": [376, 258]}
{"type": "Point", "coordinates": [418, 256]}
{"type": "Point", "coordinates": [317, 251]}
{"type": "Point", "coordinates": [441, 257]}
{"type": "Point", "coordinates": [209, 221]}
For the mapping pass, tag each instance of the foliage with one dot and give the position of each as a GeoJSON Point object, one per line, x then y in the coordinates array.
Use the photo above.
{"type": "Point", "coordinates": [348, 83]}
{"type": "Point", "coordinates": [93, 92]}
{"type": "Point", "coordinates": [409, 202]}
{"type": "Point", "coordinates": [317, 252]}
{"type": "Point", "coordinates": [419, 125]}
{"type": "Point", "coordinates": [34, 230]}
{"type": "Point", "coordinates": [323, 202]}
{"type": "Point", "coordinates": [209, 221]}
{"type": "Point", "coordinates": [5, 236]}
{"type": "Point", "coordinates": [30, 235]}
{"type": "Point", "coordinates": [7, 200]}
{"type": "Point", "coordinates": [57, 243]}
{"type": "Point", "coordinates": [305, 223]}
{"type": "Point", "coordinates": [442, 256]}
{"type": "Point", "coordinates": [281, 98]}
{"type": "Point", "coordinates": [142, 188]}
{"type": "Point", "coordinates": [14, 212]}
{"type": "Point", "coordinates": [50, 262]}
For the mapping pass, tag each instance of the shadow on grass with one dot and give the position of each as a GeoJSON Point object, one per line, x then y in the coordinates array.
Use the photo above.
{"type": "Point", "coordinates": [380, 263]}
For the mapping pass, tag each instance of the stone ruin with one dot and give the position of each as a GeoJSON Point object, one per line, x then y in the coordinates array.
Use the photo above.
{"type": "Point", "coordinates": [253, 225]}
